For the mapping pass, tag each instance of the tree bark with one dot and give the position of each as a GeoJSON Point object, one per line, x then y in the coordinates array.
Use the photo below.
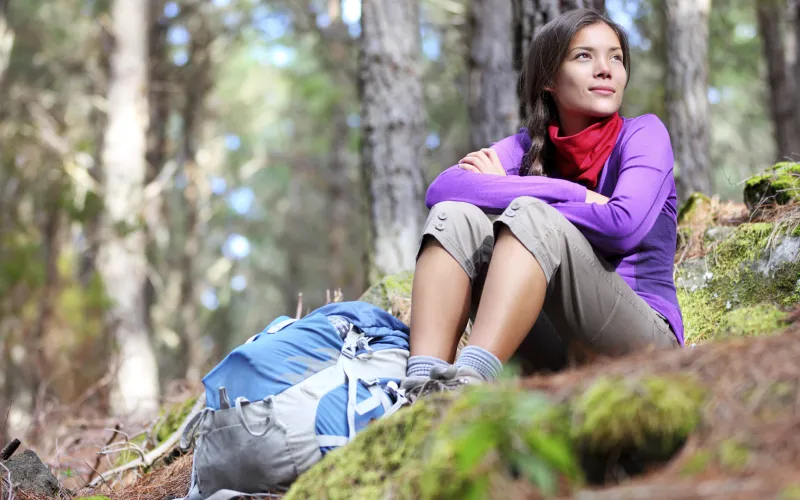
{"type": "Point", "coordinates": [687, 104]}
{"type": "Point", "coordinates": [493, 104]}
{"type": "Point", "coordinates": [783, 106]}
{"type": "Point", "coordinates": [122, 261]}
{"type": "Point", "coordinates": [531, 16]}
{"type": "Point", "coordinates": [797, 67]}
{"type": "Point", "coordinates": [6, 39]}
{"type": "Point", "coordinates": [196, 88]}
{"type": "Point", "coordinates": [393, 132]}
{"type": "Point", "coordinates": [155, 211]}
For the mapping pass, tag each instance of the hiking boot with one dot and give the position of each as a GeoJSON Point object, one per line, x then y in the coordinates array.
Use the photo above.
{"type": "Point", "coordinates": [442, 379]}
{"type": "Point", "coordinates": [453, 377]}
{"type": "Point", "coordinates": [414, 387]}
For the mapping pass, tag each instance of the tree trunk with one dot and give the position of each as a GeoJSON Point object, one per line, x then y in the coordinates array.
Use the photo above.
{"type": "Point", "coordinates": [6, 39]}
{"type": "Point", "coordinates": [393, 131]}
{"type": "Point", "coordinates": [687, 102]}
{"type": "Point", "coordinates": [783, 106]}
{"type": "Point", "coordinates": [493, 104]}
{"type": "Point", "coordinates": [196, 88]}
{"type": "Point", "coordinates": [338, 196]}
{"type": "Point", "coordinates": [796, 57]}
{"type": "Point", "coordinates": [155, 211]}
{"type": "Point", "coordinates": [36, 338]}
{"type": "Point", "coordinates": [531, 16]}
{"type": "Point", "coordinates": [122, 262]}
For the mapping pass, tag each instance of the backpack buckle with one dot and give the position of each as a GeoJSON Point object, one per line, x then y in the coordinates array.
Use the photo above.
{"type": "Point", "coordinates": [349, 348]}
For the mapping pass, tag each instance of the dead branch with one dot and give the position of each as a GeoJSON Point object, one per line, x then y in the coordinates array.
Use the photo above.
{"type": "Point", "coordinates": [8, 482]}
{"type": "Point", "coordinates": [100, 455]}
{"type": "Point", "coordinates": [147, 459]}
{"type": "Point", "coordinates": [299, 311]}
{"type": "Point", "coordinates": [9, 449]}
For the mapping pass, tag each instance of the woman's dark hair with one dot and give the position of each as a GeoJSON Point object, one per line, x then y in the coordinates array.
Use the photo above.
{"type": "Point", "coordinates": [546, 52]}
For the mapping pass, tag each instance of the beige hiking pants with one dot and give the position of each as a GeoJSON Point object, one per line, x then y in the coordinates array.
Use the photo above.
{"type": "Point", "coordinates": [588, 311]}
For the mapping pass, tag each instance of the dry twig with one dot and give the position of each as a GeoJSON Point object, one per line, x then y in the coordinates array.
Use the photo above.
{"type": "Point", "coordinates": [147, 459]}
{"type": "Point", "coordinates": [8, 482]}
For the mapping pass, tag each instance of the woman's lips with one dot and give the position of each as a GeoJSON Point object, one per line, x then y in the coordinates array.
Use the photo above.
{"type": "Point", "coordinates": [602, 90]}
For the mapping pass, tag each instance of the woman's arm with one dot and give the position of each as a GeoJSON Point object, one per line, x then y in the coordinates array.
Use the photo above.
{"type": "Point", "coordinates": [493, 193]}
{"type": "Point", "coordinates": [643, 185]}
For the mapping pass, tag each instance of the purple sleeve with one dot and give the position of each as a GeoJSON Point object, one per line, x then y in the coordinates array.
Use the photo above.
{"type": "Point", "coordinates": [493, 193]}
{"type": "Point", "coordinates": [643, 185]}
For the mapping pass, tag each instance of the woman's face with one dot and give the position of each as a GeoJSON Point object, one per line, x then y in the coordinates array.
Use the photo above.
{"type": "Point", "coordinates": [591, 79]}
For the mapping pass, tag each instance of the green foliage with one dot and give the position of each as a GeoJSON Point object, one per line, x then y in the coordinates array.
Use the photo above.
{"type": "Point", "coordinates": [491, 431]}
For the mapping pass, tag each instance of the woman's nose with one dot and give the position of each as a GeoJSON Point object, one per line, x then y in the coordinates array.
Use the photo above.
{"type": "Point", "coordinates": [602, 68]}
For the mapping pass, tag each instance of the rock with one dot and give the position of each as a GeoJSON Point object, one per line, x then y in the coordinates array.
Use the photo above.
{"type": "Point", "coordinates": [743, 284]}
{"type": "Point", "coordinates": [29, 474]}
{"type": "Point", "coordinates": [779, 185]}
{"type": "Point", "coordinates": [696, 210]}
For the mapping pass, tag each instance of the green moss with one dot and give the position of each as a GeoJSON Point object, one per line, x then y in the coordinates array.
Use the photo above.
{"type": "Point", "coordinates": [171, 419]}
{"type": "Point", "coordinates": [790, 492]}
{"type": "Point", "coordinates": [466, 445]}
{"type": "Point", "coordinates": [759, 319]}
{"type": "Point", "coordinates": [733, 455]}
{"type": "Point", "coordinates": [690, 207]}
{"type": "Point", "coordinates": [737, 299]}
{"type": "Point", "coordinates": [697, 464]}
{"type": "Point", "coordinates": [384, 293]}
{"type": "Point", "coordinates": [779, 184]}
{"type": "Point", "coordinates": [746, 244]}
{"type": "Point", "coordinates": [629, 413]}
{"type": "Point", "coordinates": [390, 449]}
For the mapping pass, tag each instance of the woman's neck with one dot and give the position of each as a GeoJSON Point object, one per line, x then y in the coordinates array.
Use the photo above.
{"type": "Point", "coordinates": [574, 124]}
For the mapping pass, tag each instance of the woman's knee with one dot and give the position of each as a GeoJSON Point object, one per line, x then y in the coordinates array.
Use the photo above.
{"type": "Point", "coordinates": [449, 217]}
{"type": "Point", "coordinates": [462, 229]}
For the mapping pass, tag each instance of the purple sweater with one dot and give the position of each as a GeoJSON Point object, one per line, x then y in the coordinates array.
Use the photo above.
{"type": "Point", "coordinates": [636, 231]}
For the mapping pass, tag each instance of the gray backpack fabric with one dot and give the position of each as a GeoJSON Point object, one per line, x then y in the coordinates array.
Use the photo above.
{"type": "Point", "coordinates": [299, 389]}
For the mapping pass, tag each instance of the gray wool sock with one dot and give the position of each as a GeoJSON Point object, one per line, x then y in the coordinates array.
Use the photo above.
{"type": "Point", "coordinates": [420, 366]}
{"type": "Point", "coordinates": [481, 360]}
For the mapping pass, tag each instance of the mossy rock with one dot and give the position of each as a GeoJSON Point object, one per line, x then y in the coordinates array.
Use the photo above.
{"type": "Point", "coordinates": [696, 209]}
{"type": "Point", "coordinates": [778, 185]}
{"type": "Point", "coordinates": [502, 438]}
{"type": "Point", "coordinates": [743, 286]}
{"type": "Point", "coordinates": [393, 294]}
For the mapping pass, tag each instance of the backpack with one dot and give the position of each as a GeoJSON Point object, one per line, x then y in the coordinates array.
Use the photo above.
{"type": "Point", "coordinates": [292, 393]}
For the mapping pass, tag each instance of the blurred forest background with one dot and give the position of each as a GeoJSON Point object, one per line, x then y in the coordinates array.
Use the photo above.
{"type": "Point", "coordinates": [174, 173]}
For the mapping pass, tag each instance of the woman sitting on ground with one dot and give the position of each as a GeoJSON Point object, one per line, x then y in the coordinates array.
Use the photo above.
{"type": "Point", "coordinates": [582, 256]}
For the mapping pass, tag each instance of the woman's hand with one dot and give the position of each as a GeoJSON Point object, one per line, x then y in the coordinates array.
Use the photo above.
{"type": "Point", "coordinates": [484, 161]}
{"type": "Point", "coordinates": [592, 197]}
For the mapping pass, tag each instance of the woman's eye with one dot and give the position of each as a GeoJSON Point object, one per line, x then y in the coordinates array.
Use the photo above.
{"type": "Point", "coordinates": [617, 57]}
{"type": "Point", "coordinates": [582, 55]}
